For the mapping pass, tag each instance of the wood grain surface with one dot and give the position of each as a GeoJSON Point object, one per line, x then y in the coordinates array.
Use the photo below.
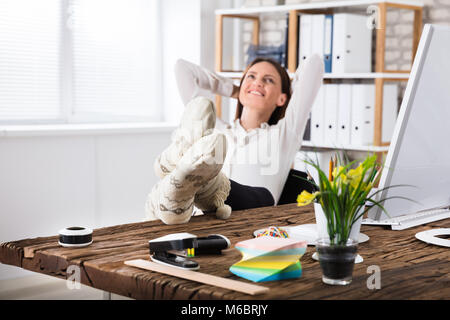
{"type": "Point", "coordinates": [410, 269]}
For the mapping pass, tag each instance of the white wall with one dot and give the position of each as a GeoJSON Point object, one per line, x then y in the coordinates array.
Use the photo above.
{"type": "Point", "coordinates": [54, 181]}
{"type": "Point", "coordinates": [188, 33]}
{"type": "Point", "coordinates": [208, 30]}
{"type": "Point", "coordinates": [180, 23]}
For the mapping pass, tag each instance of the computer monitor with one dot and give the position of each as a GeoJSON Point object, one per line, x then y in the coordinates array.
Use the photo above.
{"type": "Point", "coordinates": [419, 153]}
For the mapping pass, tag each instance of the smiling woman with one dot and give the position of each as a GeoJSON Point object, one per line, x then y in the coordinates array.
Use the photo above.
{"type": "Point", "coordinates": [218, 166]}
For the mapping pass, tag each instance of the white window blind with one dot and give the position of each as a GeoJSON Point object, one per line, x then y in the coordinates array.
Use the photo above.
{"type": "Point", "coordinates": [80, 60]}
{"type": "Point", "coordinates": [30, 48]}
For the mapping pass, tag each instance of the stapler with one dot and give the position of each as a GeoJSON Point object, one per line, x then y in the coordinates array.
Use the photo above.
{"type": "Point", "coordinates": [176, 249]}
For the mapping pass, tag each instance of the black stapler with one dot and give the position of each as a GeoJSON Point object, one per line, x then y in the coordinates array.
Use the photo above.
{"type": "Point", "coordinates": [171, 249]}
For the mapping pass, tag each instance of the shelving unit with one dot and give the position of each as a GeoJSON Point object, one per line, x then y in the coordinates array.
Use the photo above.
{"type": "Point", "coordinates": [380, 76]}
{"type": "Point", "coordinates": [371, 75]}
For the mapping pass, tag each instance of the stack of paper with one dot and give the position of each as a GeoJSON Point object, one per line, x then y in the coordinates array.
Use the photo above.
{"type": "Point", "coordinates": [268, 258]}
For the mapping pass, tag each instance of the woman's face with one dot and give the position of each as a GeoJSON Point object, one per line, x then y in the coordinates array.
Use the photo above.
{"type": "Point", "coordinates": [261, 88]}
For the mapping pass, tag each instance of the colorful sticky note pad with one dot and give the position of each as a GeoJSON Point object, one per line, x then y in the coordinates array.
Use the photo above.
{"type": "Point", "coordinates": [267, 258]}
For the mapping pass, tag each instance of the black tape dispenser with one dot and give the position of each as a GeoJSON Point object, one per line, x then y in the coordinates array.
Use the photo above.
{"type": "Point", "coordinates": [174, 249]}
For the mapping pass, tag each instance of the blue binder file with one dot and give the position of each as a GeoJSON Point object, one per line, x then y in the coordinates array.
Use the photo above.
{"type": "Point", "coordinates": [328, 43]}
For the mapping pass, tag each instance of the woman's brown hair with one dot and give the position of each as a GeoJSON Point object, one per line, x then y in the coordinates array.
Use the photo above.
{"type": "Point", "coordinates": [279, 112]}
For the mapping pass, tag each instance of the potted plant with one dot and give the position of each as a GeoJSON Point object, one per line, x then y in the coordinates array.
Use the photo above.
{"type": "Point", "coordinates": [342, 196]}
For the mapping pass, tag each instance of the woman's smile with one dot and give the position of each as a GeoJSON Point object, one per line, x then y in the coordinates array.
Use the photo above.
{"type": "Point", "coordinates": [256, 93]}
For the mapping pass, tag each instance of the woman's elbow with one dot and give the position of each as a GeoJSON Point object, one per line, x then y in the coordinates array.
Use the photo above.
{"type": "Point", "coordinates": [180, 65]}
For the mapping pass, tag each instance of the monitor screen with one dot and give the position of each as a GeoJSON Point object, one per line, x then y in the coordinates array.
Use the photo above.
{"type": "Point", "coordinates": [419, 153]}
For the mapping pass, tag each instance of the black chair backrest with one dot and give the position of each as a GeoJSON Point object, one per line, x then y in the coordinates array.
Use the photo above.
{"type": "Point", "coordinates": [294, 186]}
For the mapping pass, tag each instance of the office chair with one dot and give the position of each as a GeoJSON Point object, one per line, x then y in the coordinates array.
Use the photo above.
{"type": "Point", "coordinates": [294, 186]}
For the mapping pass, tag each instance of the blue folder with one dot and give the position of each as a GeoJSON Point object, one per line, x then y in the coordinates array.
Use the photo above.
{"type": "Point", "coordinates": [328, 43]}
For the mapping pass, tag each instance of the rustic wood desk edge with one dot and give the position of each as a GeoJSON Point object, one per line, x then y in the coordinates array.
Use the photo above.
{"type": "Point", "coordinates": [410, 269]}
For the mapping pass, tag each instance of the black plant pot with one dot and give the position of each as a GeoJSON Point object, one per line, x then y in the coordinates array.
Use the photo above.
{"type": "Point", "coordinates": [337, 261]}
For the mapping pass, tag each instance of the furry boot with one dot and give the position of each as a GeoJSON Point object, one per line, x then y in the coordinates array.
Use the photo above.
{"type": "Point", "coordinates": [212, 196]}
{"type": "Point", "coordinates": [198, 120]}
{"type": "Point", "coordinates": [172, 199]}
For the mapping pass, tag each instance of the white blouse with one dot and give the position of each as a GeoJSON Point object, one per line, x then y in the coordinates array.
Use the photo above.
{"type": "Point", "coordinates": [260, 157]}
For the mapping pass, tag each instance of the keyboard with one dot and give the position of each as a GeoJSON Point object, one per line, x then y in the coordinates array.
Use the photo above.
{"type": "Point", "coordinates": [411, 220]}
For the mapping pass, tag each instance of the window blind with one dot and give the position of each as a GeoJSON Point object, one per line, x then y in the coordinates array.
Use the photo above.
{"type": "Point", "coordinates": [30, 47]}
{"type": "Point", "coordinates": [116, 58]}
{"type": "Point", "coordinates": [80, 60]}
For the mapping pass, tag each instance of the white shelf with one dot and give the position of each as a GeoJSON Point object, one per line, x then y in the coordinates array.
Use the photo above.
{"type": "Point", "coordinates": [369, 75]}
{"type": "Point", "coordinates": [309, 145]}
{"type": "Point", "coordinates": [310, 6]}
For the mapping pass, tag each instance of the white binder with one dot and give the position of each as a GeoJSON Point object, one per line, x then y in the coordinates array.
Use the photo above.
{"type": "Point", "coordinates": [352, 44]}
{"type": "Point", "coordinates": [344, 114]}
{"type": "Point", "coordinates": [317, 118]}
{"type": "Point", "coordinates": [305, 44]}
{"type": "Point", "coordinates": [331, 106]}
{"type": "Point", "coordinates": [390, 106]}
{"type": "Point", "coordinates": [363, 112]}
{"type": "Point", "coordinates": [317, 34]}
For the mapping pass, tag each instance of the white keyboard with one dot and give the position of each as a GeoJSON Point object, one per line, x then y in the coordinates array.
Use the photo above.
{"type": "Point", "coordinates": [411, 220]}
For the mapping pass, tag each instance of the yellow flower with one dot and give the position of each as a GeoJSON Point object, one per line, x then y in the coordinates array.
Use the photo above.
{"type": "Point", "coordinates": [337, 170]}
{"type": "Point", "coordinates": [355, 173]}
{"type": "Point", "coordinates": [339, 173]}
{"type": "Point", "coordinates": [355, 176]}
{"type": "Point", "coordinates": [306, 198]}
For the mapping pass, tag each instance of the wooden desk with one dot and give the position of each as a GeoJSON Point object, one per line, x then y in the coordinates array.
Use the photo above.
{"type": "Point", "coordinates": [410, 269]}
